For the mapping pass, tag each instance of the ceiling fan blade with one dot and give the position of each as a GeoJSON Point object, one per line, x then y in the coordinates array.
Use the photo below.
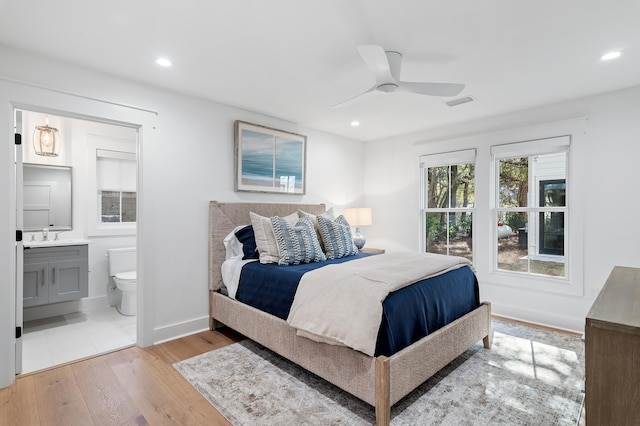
{"type": "Point", "coordinates": [376, 59]}
{"type": "Point", "coordinates": [431, 89]}
{"type": "Point", "coordinates": [355, 99]}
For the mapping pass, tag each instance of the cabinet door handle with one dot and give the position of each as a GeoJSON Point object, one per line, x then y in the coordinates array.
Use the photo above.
{"type": "Point", "coordinates": [53, 279]}
{"type": "Point", "coordinates": [44, 273]}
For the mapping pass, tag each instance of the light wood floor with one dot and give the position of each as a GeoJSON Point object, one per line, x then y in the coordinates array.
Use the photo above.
{"type": "Point", "coordinates": [133, 386]}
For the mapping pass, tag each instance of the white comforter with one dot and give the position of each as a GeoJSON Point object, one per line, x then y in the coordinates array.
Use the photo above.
{"type": "Point", "coordinates": [341, 304]}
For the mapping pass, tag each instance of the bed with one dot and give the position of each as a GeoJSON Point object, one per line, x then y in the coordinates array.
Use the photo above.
{"type": "Point", "coordinates": [379, 380]}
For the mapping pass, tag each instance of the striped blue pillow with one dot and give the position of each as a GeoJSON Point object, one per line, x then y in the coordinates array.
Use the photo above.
{"type": "Point", "coordinates": [296, 243]}
{"type": "Point", "coordinates": [336, 236]}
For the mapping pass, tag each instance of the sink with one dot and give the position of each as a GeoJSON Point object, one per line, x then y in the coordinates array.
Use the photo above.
{"type": "Point", "coordinates": [54, 243]}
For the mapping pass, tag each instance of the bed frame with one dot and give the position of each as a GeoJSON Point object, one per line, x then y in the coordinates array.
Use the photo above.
{"type": "Point", "coordinates": [379, 381]}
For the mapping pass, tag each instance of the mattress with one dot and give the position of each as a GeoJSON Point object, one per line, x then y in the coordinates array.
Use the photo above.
{"type": "Point", "coordinates": [409, 314]}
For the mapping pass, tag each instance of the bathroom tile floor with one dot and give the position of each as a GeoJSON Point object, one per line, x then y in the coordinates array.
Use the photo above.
{"type": "Point", "coordinates": [64, 338]}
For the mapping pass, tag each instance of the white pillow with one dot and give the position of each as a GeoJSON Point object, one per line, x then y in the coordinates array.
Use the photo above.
{"type": "Point", "coordinates": [265, 238]}
{"type": "Point", "coordinates": [232, 244]}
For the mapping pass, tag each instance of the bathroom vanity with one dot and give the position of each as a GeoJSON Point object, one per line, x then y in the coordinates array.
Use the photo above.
{"type": "Point", "coordinates": [55, 271]}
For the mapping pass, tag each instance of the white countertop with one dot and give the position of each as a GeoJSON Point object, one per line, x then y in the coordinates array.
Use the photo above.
{"type": "Point", "coordinates": [55, 243]}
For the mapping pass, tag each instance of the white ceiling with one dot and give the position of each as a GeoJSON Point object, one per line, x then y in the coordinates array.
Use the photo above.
{"type": "Point", "coordinates": [294, 59]}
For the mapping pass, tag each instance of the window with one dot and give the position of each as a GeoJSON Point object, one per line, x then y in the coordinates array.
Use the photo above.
{"type": "Point", "coordinates": [448, 203]}
{"type": "Point", "coordinates": [117, 206]}
{"type": "Point", "coordinates": [531, 207]}
{"type": "Point", "coordinates": [116, 179]}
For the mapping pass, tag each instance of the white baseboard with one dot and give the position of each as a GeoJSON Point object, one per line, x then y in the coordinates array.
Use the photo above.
{"type": "Point", "coordinates": [547, 319]}
{"type": "Point", "coordinates": [175, 331]}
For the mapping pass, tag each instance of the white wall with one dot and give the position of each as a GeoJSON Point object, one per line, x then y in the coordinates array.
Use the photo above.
{"type": "Point", "coordinates": [185, 160]}
{"type": "Point", "coordinates": [604, 153]}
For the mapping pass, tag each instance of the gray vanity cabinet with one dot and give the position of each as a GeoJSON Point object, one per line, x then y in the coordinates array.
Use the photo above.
{"type": "Point", "coordinates": [55, 274]}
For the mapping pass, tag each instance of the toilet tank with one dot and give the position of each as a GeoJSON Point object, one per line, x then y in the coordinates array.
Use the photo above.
{"type": "Point", "coordinates": [121, 260]}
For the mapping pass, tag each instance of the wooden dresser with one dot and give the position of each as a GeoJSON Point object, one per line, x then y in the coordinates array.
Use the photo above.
{"type": "Point", "coordinates": [612, 357]}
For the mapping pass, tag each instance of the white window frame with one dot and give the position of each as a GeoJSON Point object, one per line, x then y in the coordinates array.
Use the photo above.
{"type": "Point", "coordinates": [95, 145]}
{"type": "Point", "coordinates": [440, 160]}
{"type": "Point", "coordinates": [550, 145]}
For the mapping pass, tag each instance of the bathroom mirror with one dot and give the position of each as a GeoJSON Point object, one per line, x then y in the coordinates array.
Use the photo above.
{"type": "Point", "coordinates": [46, 197]}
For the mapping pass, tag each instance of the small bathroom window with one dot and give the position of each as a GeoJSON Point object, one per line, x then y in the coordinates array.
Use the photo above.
{"type": "Point", "coordinates": [117, 206]}
{"type": "Point", "coordinates": [116, 178]}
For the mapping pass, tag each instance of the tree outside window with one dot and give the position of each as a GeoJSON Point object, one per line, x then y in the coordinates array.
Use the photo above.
{"type": "Point", "coordinates": [449, 213]}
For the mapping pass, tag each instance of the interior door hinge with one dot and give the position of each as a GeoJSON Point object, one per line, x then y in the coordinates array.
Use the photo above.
{"type": "Point", "coordinates": [18, 332]}
{"type": "Point", "coordinates": [18, 235]}
{"type": "Point", "coordinates": [18, 139]}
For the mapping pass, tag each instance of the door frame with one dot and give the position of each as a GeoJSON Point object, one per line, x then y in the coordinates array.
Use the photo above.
{"type": "Point", "coordinates": [41, 98]}
{"type": "Point", "coordinates": [19, 266]}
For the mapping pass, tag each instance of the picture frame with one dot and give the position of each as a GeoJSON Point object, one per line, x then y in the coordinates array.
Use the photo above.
{"type": "Point", "coordinates": [269, 160]}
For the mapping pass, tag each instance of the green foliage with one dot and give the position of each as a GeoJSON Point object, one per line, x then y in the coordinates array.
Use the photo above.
{"type": "Point", "coordinates": [437, 227]}
{"type": "Point", "coordinates": [515, 220]}
{"type": "Point", "coordinates": [514, 182]}
{"type": "Point", "coordinates": [461, 228]}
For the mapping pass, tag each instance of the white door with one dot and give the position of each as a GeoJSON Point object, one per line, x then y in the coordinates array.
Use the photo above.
{"type": "Point", "coordinates": [19, 245]}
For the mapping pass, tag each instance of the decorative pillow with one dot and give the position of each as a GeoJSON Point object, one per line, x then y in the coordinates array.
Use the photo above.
{"type": "Point", "coordinates": [265, 240]}
{"type": "Point", "coordinates": [314, 218]}
{"type": "Point", "coordinates": [337, 238]}
{"type": "Point", "coordinates": [296, 243]}
{"type": "Point", "coordinates": [247, 238]}
{"type": "Point", "coordinates": [231, 243]}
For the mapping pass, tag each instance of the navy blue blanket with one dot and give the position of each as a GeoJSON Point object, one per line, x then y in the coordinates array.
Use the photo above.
{"type": "Point", "coordinates": [409, 314]}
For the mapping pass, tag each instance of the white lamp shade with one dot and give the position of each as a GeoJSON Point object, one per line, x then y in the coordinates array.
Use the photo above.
{"type": "Point", "coordinates": [360, 216]}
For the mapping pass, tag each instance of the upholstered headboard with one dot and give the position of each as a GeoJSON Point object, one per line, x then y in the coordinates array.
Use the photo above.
{"type": "Point", "coordinates": [224, 217]}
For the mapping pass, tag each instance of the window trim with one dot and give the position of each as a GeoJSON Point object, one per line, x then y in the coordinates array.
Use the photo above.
{"type": "Point", "coordinates": [504, 132]}
{"type": "Point", "coordinates": [442, 159]}
{"type": "Point", "coordinates": [99, 144]}
{"type": "Point", "coordinates": [542, 146]}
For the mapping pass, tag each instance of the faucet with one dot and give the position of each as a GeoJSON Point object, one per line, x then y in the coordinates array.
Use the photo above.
{"type": "Point", "coordinates": [45, 234]}
{"type": "Point", "coordinates": [57, 235]}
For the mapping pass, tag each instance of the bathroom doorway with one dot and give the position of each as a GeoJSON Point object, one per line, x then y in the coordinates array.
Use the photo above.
{"type": "Point", "coordinates": [56, 332]}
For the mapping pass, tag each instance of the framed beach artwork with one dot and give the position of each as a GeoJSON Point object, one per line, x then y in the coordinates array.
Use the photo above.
{"type": "Point", "coordinates": [269, 160]}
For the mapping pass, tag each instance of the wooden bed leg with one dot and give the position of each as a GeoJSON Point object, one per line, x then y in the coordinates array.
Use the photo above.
{"type": "Point", "coordinates": [213, 324]}
{"type": "Point", "coordinates": [486, 340]}
{"type": "Point", "coordinates": [383, 391]}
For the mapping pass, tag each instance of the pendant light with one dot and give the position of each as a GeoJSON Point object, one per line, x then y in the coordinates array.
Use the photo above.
{"type": "Point", "coordinates": [46, 140]}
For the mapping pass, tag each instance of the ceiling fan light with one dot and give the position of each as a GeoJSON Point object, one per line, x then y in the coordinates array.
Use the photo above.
{"type": "Point", "coordinates": [388, 87]}
{"type": "Point", "coordinates": [460, 101]}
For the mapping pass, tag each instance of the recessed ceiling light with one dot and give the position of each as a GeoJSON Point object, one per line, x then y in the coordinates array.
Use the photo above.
{"type": "Point", "coordinates": [355, 123]}
{"type": "Point", "coordinates": [611, 55]}
{"type": "Point", "coordinates": [163, 62]}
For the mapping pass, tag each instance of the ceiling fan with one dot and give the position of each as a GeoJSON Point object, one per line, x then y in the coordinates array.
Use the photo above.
{"type": "Point", "coordinates": [386, 70]}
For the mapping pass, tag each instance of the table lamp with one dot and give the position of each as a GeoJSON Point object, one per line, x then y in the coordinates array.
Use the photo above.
{"type": "Point", "coordinates": [360, 216]}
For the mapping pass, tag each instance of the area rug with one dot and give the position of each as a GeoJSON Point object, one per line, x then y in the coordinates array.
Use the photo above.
{"type": "Point", "coordinates": [530, 376]}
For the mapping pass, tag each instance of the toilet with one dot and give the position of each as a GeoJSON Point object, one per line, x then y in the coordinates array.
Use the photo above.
{"type": "Point", "coordinates": [122, 268]}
